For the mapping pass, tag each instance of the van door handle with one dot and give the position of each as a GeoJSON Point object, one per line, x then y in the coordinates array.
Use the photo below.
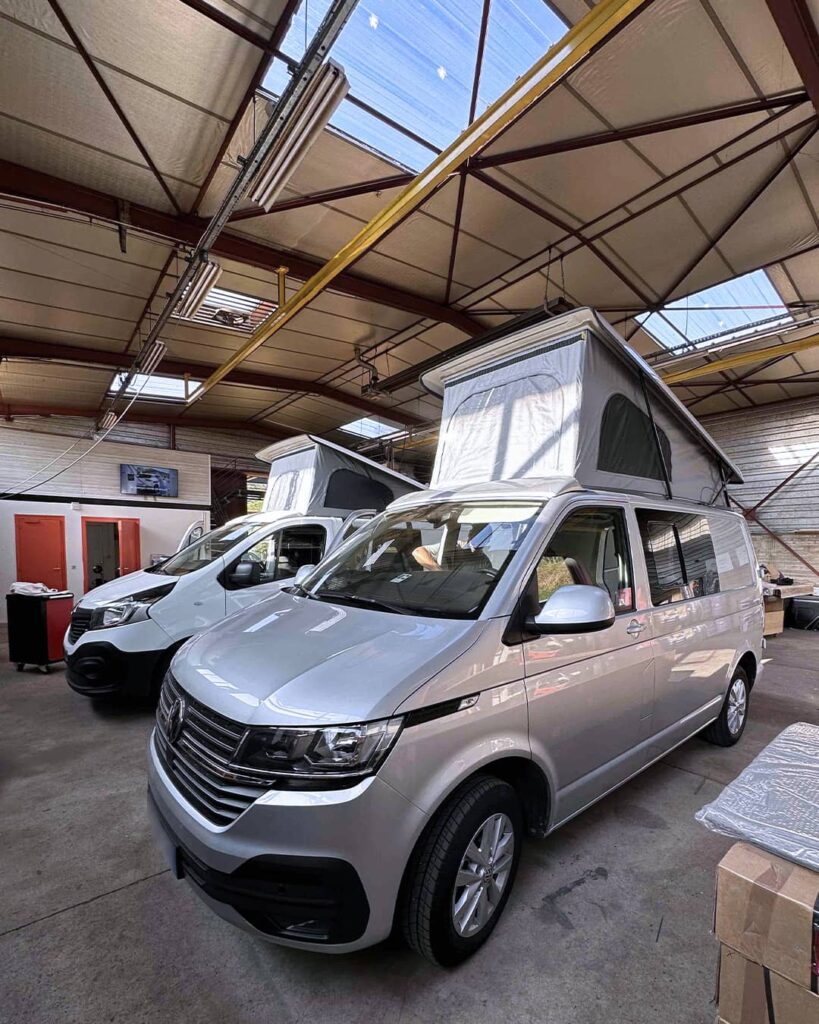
{"type": "Point", "coordinates": [635, 628]}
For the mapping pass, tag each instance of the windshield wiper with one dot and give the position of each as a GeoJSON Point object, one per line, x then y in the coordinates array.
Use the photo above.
{"type": "Point", "coordinates": [367, 602]}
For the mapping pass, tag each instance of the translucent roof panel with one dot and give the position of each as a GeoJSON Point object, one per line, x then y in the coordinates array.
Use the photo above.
{"type": "Point", "coordinates": [172, 389]}
{"type": "Point", "coordinates": [414, 63]}
{"type": "Point", "coordinates": [730, 310]}
{"type": "Point", "coordinates": [369, 426]}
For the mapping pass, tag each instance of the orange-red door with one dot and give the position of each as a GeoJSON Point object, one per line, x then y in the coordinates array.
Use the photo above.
{"type": "Point", "coordinates": [129, 554]}
{"type": "Point", "coordinates": [40, 542]}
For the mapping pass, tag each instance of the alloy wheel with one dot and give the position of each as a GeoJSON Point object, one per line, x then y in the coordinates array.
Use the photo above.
{"type": "Point", "coordinates": [737, 706]}
{"type": "Point", "coordinates": [483, 874]}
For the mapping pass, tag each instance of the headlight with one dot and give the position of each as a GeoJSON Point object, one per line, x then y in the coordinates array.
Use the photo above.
{"type": "Point", "coordinates": [131, 609]}
{"type": "Point", "coordinates": [338, 750]}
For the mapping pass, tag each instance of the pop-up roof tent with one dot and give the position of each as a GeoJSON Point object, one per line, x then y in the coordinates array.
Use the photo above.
{"type": "Point", "coordinates": [310, 476]}
{"type": "Point", "coordinates": [568, 397]}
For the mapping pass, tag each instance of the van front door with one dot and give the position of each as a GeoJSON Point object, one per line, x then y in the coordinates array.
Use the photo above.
{"type": "Point", "coordinates": [589, 692]}
{"type": "Point", "coordinates": [280, 555]}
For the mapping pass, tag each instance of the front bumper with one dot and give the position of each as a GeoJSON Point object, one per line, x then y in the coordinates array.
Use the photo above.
{"type": "Point", "coordinates": [307, 869]}
{"type": "Point", "coordinates": [117, 660]}
{"type": "Point", "coordinates": [101, 670]}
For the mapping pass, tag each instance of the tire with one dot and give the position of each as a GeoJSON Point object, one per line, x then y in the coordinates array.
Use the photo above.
{"type": "Point", "coordinates": [726, 730]}
{"type": "Point", "coordinates": [484, 809]}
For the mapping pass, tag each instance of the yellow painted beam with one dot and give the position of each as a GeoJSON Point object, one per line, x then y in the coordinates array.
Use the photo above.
{"type": "Point", "coordinates": [742, 359]}
{"type": "Point", "coordinates": [559, 61]}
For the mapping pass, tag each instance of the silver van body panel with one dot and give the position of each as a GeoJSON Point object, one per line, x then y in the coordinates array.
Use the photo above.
{"type": "Point", "coordinates": [316, 674]}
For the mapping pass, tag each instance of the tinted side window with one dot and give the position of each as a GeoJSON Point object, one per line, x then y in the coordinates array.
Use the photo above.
{"type": "Point", "coordinates": [679, 555]}
{"type": "Point", "coordinates": [588, 547]}
{"type": "Point", "coordinates": [627, 443]}
{"type": "Point", "coordinates": [699, 560]}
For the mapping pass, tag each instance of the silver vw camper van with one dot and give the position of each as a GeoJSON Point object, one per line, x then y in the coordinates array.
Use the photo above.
{"type": "Point", "coordinates": [364, 752]}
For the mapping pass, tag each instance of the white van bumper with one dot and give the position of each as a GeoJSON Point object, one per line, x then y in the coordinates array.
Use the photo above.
{"type": "Point", "coordinates": [122, 660]}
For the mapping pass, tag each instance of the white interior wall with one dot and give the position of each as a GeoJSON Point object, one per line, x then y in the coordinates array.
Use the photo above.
{"type": "Point", "coordinates": [92, 488]}
{"type": "Point", "coordinates": [160, 531]}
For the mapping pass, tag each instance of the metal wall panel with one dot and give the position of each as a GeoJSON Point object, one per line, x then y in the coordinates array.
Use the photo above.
{"type": "Point", "coordinates": [768, 444]}
{"type": "Point", "coordinates": [97, 476]}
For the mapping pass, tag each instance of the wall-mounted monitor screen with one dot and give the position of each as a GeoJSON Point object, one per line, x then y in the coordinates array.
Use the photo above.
{"type": "Point", "coordinates": [158, 481]}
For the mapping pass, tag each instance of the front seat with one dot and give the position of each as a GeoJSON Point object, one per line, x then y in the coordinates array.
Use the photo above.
{"type": "Point", "coordinates": [578, 572]}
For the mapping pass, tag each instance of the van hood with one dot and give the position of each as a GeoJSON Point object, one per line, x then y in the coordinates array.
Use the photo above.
{"type": "Point", "coordinates": [300, 661]}
{"type": "Point", "coordinates": [123, 588]}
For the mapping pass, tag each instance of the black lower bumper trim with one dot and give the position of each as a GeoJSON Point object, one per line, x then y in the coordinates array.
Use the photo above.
{"type": "Point", "coordinates": [100, 670]}
{"type": "Point", "coordinates": [306, 899]}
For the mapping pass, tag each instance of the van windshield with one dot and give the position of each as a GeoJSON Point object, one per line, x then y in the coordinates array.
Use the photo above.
{"type": "Point", "coordinates": [441, 559]}
{"type": "Point", "coordinates": [206, 550]}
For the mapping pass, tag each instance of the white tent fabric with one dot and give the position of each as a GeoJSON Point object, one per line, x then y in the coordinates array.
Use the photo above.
{"type": "Point", "coordinates": [569, 397]}
{"type": "Point", "coordinates": [311, 476]}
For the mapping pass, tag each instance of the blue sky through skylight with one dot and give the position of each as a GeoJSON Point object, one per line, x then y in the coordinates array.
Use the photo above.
{"type": "Point", "coordinates": [414, 62]}
{"type": "Point", "coordinates": [731, 309]}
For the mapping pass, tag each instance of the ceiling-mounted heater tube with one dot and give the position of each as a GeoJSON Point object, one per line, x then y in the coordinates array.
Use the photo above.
{"type": "Point", "coordinates": [205, 277]}
{"type": "Point", "coordinates": [310, 117]}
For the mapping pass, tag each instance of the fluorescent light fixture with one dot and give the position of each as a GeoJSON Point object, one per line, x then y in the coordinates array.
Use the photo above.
{"type": "Point", "coordinates": [302, 129]}
{"type": "Point", "coordinates": [370, 427]}
{"type": "Point", "coordinates": [150, 357]}
{"type": "Point", "coordinates": [205, 277]}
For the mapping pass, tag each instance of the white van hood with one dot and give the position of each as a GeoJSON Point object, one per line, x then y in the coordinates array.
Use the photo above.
{"type": "Point", "coordinates": [300, 661]}
{"type": "Point", "coordinates": [123, 588]}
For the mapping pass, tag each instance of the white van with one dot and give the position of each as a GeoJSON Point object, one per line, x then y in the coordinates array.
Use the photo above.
{"type": "Point", "coordinates": [365, 751]}
{"type": "Point", "coordinates": [123, 634]}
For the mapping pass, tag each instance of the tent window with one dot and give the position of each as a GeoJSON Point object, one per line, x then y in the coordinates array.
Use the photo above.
{"type": "Point", "coordinates": [627, 444]}
{"type": "Point", "coordinates": [346, 489]}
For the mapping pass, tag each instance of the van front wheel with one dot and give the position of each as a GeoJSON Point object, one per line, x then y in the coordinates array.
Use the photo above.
{"type": "Point", "coordinates": [463, 871]}
{"type": "Point", "coordinates": [727, 729]}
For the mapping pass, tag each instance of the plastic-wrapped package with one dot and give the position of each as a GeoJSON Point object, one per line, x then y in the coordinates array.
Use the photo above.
{"type": "Point", "coordinates": [774, 803]}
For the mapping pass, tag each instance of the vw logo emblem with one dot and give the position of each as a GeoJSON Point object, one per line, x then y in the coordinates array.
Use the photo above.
{"type": "Point", "coordinates": [176, 719]}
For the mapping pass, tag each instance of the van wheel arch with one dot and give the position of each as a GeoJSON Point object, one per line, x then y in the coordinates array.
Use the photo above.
{"type": "Point", "coordinates": [532, 788]}
{"type": "Point", "coordinates": [748, 664]}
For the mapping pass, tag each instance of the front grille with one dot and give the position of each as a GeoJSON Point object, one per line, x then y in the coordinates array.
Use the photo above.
{"type": "Point", "coordinates": [200, 759]}
{"type": "Point", "coordinates": [80, 621]}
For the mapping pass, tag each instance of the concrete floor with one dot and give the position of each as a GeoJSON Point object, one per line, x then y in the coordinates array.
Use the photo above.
{"type": "Point", "coordinates": [609, 921]}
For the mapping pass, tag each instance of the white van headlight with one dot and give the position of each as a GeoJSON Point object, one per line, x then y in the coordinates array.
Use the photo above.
{"type": "Point", "coordinates": [131, 609]}
{"type": "Point", "coordinates": [337, 750]}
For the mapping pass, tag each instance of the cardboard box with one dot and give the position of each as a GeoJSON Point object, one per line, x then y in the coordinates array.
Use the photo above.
{"type": "Point", "coordinates": [752, 994]}
{"type": "Point", "coordinates": [765, 911]}
{"type": "Point", "coordinates": [774, 616]}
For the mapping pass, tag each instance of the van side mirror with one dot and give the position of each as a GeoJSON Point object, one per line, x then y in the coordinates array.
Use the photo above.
{"type": "Point", "coordinates": [302, 573]}
{"type": "Point", "coordinates": [576, 608]}
{"type": "Point", "coordinates": [246, 574]}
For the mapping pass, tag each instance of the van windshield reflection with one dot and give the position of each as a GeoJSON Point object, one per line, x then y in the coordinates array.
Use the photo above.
{"type": "Point", "coordinates": [205, 551]}
{"type": "Point", "coordinates": [442, 559]}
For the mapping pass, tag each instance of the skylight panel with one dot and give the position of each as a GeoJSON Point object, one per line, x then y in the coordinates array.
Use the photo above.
{"type": "Point", "coordinates": [733, 309]}
{"type": "Point", "coordinates": [170, 389]}
{"type": "Point", "coordinates": [369, 427]}
{"type": "Point", "coordinates": [414, 63]}
{"type": "Point", "coordinates": [232, 311]}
